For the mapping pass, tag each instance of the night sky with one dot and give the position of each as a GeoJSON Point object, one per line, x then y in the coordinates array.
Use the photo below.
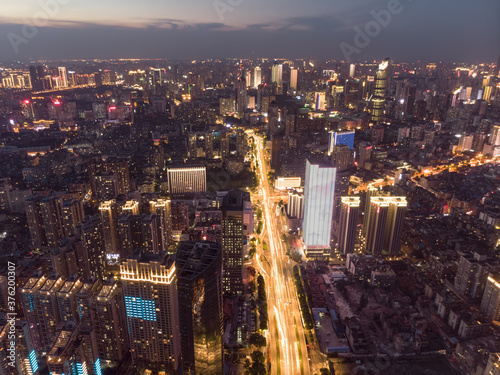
{"type": "Point", "coordinates": [431, 30]}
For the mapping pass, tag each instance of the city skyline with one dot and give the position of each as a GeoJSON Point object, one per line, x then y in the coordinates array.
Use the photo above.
{"type": "Point", "coordinates": [220, 30]}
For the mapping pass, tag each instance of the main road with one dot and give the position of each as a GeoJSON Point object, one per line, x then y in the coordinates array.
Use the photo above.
{"type": "Point", "coordinates": [286, 335]}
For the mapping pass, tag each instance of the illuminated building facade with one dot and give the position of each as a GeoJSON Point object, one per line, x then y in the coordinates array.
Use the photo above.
{"type": "Point", "coordinates": [187, 180]}
{"type": "Point", "coordinates": [318, 208]}
{"type": "Point", "coordinates": [340, 138]}
{"type": "Point", "coordinates": [378, 99]}
{"type": "Point", "coordinates": [199, 280]}
{"type": "Point", "coordinates": [348, 224]}
{"type": "Point", "coordinates": [150, 292]}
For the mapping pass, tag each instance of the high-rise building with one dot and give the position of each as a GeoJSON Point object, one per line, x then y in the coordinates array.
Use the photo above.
{"type": "Point", "coordinates": [295, 207]}
{"type": "Point", "coordinates": [63, 77]}
{"type": "Point", "coordinates": [109, 322]}
{"type": "Point", "coordinates": [241, 94]}
{"type": "Point", "coordinates": [106, 186]}
{"type": "Point", "coordinates": [318, 208]}
{"type": "Point", "coordinates": [35, 222]}
{"type": "Point", "coordinates": [472, 273]}
{"type": "Point", "coordinates": [93, 259]}
{"type": "Point", "coordinates": [340, 138]}
{"type": "Point", "coordinates": [257, 77]}
{"type": "Point", "coordinates": [199, 284]}
{"type": "Point", "coordinates": [352, 70]}
{"type": "Point", "coordinates": [149, 284]}
{"type": "Point", "coordinates": [232, 242]}
{"type": "Point", "coordinates": [348, 224]}
{"type": "Point", "coordinates": [490, 303]}
{"type": "Point", "coordinates": [109, 218]}
{"type": "Point", "coordinates": [74, 351]}
{"type": "Point", "coordinates": [184, 180]}
{"type": "Point", "coordinates": [277, 75]}
{"type": "Point", "coordinates": [384, 222]}
{"type": "Point", "coordinates": [39, 301]}
{"type": "Point", "coordinates": [365, 153]}
{"type": "Point", "coordinates": [342, 157]}
{"type": "Point", "coordinates": [378, 99]}
{"type": "Point", "coordinates": [66, 299]}
{"type": "Point", "coordinates": [293, 78]}
{"type": "Point", "coordinates": [493, 364]}
{"type": "Point", "coordinates": [51, 212]}
{"type": "Point", "coordinates": [276, 154]}
{"type": "Point", "coordinates": [163, 208]}
{"type": "Point", "coordinates": [25, 361]}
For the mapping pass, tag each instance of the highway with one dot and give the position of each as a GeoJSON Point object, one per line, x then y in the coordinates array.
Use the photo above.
{"type": "Point", "coordinates": [285, 321]}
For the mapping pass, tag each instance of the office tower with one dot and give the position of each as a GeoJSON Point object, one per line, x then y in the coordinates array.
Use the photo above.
{"type": "Point", "coordinates": [352, 70]}
{"type": "Point", "coordinates": [340, 138]}
{"type": "Point", "coordinates": [490, 303]}
{"type": "Point", "coordinates": [487, 93]}
{"type": "Point", "coordinates": [138, 107]}
{"type": "Point", "coordinates": [295, 207]}
{"type": "Point", "coordinates": [106, 186]}
{"type": "Point", "coordinates": [384, 221]}
{"type": "Point", "coordinates": [74, 351]}
{"type": "Point", "coordinates": [109, 322]}
{"type": "Point", "coordinates": [348, 224]}
{"type": "Point", "coordinates": [35, 222]}
{"type": "Point", "coordinates": [93, 259]}
{"type": "Point", "coordinates": [276, 154]}
{"type": "Point", "coordinates": [50, 210]}
{"type": "Point", "coordinates": [66, 299]}
{"type": "Point", "coordinates": [257, 77]}
{"type": "Point", "coordinates": [293, 78]}
{"type": "Point", "coordinates": [320, 101]}
{"type": "Point", "coordinates": [199, 284]}
{"type": "Point", "coordinates": [241, 94]}
{"type": "Point", "coordinates": [63, 77]}
{"type": "Point", "coordinates": [182, 180]}
{"type": "Point", "coordinates": [38, 298]}
{"type": "Point", "coordinates": [232, 242]}
{"type": "Point", "coordinates": [163, 208]}
{"type": "Point", "coordinates": [318, 207]}
{"type": "Point", "coordinates": [378, 99]}
{"type": "Point", "coordinates": [109, 219]}
{"type": "Point", "coordinates": [150, 291]}
{"type": "Point", "coordinates": [342, 157]}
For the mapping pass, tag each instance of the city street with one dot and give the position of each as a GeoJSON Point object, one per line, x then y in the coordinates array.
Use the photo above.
{"type": "Point", "coordinates": [286, 335]}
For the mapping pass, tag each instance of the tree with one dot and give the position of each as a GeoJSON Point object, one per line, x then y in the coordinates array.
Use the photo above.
{"type": "Point", "coordinates": [258, 340]}
{"type": "Point", "coordinates": [325, 371]}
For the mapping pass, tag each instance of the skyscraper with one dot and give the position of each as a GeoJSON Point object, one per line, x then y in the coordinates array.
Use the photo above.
{"type": "Point", "coordinates": [342, 157]}
{"type": "Point", "coordinates": [184, 180]}
{"type": "Point", "coordinates": [199, 280]}
{"type": "Point", "coordinates": [293, 78]}
{"type": "Point", "coordinates": [348, 224]}
{"type": "Point", "coordinates": [150, 291]}
{"type": "Point", "coordinates": [232, 242]}
{"type": "Point", "coordinates": [241, 94]}
{"type": "Point", "coordinates": [109, 218]}
{"type": "Point", "coordinates": [257, 77]}
{"type": "Point", "coordinates": [378, 99]}
{"type": "Point", "coordinates": [340, 138]}
{"type": "Point", "coordinates": [384, 222]}
{"type": "Point", "coordinates": [318, 208]}
{"type": "Point", "coordinates": [277, 75]}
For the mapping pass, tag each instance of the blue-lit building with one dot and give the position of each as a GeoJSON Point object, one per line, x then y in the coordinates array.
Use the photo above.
{"type": "Point", "coordinates": [149, 285]}
{"type": "Point", "coordinates": [319, 192]}
{"type": "Point", "coordinates": [340, 138]}
{"type": "Point", "coordinates": [26, 361]}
